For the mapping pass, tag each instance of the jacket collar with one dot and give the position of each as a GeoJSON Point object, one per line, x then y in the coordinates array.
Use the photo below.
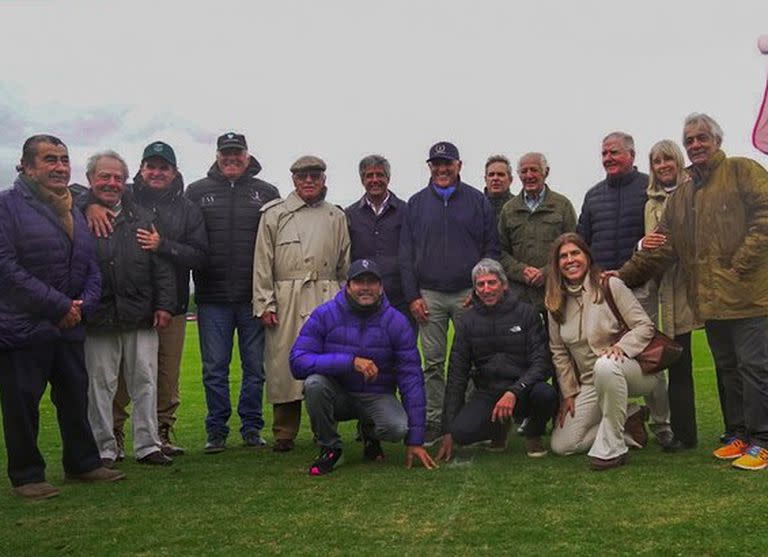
{"type": "Point", "coordinates": [700, 173]}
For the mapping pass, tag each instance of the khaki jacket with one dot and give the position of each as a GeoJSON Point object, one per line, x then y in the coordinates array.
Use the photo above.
{"type": "Point", "coordinates": [300, 259]}
{"type": "Point", "coordinates": [598, 325]}
{"type": "Point", "coordinates": [676, 315]}
{"type": "Point", "coordinates": [526, 238]}
{"type": "Point", "coordinates": [717, 227]}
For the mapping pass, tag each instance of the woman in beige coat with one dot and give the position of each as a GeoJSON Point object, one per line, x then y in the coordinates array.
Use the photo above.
{"type": "Point", "coordinates": [676, 317]}
{"type": "Point", "coordinates": [596, 375]}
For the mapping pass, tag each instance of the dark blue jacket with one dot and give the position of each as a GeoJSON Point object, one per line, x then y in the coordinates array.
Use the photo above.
{"type": "Point", "coordinates": [42, 270]}
{"type": "Point", "coordinates": [334, 335]}
{"type": "Point", "coordinates": [442, 240]}
{"type": "Point", "coordinates": [378, 238]}
{"type": "Point", "coordinates": [612, 218]}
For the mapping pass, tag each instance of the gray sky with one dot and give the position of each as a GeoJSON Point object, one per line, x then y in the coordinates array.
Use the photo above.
{"type": "Point", "coordinates": [345, 79]}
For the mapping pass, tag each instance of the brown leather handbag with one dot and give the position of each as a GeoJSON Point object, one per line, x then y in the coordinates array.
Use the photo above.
{"type": "Point", "coordinates": [660, 353]}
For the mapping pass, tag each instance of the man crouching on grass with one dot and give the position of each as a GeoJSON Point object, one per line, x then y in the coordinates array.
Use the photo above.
{"type": "Point", "coordinates": [352, 353]}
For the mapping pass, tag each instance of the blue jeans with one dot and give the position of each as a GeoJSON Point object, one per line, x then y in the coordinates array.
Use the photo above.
{"type": "Point", "coordinates": [217, 324]}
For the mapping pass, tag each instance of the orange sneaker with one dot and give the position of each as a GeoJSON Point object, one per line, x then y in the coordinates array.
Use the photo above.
{"type": "Point", "coordinates": [735, 449]}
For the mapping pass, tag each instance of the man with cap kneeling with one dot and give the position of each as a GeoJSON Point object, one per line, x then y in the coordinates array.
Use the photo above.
{"type": "Point", "coordinates": [301, 258]}
{"type": "Point", "coordinates": [352, 353]}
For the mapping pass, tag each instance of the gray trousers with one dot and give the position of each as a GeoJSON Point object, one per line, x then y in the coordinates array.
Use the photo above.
{"type": "Point", "coordinates": [382, 416]}
{"type": "Point", "coordinates": [740, 351]}
{"type": "Point", "coordinates": [443, 307]}
{"type": "Point", "coordinates": [134, 353]}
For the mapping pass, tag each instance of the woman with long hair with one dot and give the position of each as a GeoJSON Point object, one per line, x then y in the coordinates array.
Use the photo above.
{"type": "Point", "coordinates": [596, 371]}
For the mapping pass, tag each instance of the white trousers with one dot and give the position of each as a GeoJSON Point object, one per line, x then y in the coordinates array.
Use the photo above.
{"type": "Point", "coordinates": [601, 410]}
{"type": "Point", "coordinates": [135, 354]}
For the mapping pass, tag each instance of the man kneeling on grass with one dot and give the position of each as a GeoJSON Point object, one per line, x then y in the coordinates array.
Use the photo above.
{"type": "Point", "coordinates": [352, 353]}
{"type": "Point", "coordinates": [500, 342]}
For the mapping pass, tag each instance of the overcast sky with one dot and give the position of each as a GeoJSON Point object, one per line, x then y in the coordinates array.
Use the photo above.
{"type": "Point", "coordinates": [345, 79]}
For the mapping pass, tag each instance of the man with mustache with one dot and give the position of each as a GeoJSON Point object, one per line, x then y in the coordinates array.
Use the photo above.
{"type": "Point", "coordinates": [138, 298]}
{"type": "Point", "coordinates": [231, 198]}
{"type": "Point", "coordinates": [50, 282]}
{"type": "Point", "coordinates": [301, 259]}
{"type": "Point", "coordinates": [448, 227]}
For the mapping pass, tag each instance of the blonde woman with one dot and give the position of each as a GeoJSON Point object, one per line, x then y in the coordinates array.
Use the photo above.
{"type": "Point", "coordinates": [675, 317]}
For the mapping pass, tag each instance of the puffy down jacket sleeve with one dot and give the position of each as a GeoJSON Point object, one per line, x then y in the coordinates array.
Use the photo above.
{"type": "Point", "coordinates": [307, 355]}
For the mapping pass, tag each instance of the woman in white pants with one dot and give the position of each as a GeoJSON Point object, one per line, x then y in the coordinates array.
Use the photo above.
{"type": "Point", "coordinates": [596, 375]}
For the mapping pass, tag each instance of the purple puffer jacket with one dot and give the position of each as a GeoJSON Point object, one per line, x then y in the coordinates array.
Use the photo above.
{"type": "Point", "coordinates": [41, 270]}
{"type": "Point", "coordinates": [334, 335]}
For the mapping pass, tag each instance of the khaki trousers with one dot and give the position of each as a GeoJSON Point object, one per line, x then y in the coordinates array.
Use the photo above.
{"type": "Point", "coordinates": [286, 419]}
{"type": "Point", "coordinates": [601, 410]}
{"type": "Point", "coordinates": [169, 352]}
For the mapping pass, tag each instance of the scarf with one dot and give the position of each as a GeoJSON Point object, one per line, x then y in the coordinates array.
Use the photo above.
{"type": "Point", "coordinates": [59, 200]}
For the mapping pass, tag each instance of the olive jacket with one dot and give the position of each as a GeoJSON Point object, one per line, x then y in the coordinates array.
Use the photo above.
{"type": "Point", "coordinates": [717, 228]}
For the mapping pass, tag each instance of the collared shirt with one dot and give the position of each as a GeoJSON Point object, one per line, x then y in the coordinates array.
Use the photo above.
{"type": "Point", "coordinates": [533, 202]}
{"type": "Point", "coordinates": [381, 208]}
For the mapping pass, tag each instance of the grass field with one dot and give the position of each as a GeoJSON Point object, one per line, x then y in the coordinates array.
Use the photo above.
{"type": "Point", "coordinates": [247, 501]}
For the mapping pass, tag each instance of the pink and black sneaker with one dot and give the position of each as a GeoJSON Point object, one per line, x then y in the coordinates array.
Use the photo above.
{"type": "Point", "coordinates": [326, 462]}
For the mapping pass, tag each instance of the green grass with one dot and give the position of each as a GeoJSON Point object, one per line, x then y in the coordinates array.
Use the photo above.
{"type": "Point", "coordinates": [255, 501]}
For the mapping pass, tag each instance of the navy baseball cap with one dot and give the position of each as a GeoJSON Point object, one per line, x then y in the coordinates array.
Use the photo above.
{"type": "Point", "coordinates": [231, 140]}
{"type": "Point", "coordinates": [162, 150]}
{"type": "Point", "coordinates": [363, 267]}
{"type": "Point", "coordinates": [445, 151]}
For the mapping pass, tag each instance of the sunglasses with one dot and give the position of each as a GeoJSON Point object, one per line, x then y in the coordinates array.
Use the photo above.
{"type": "Point", "coordinates": [302, 175]}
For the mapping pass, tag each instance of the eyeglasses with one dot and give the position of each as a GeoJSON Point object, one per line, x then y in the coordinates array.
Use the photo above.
{"type": "Point", "coordinates": [302, 175]}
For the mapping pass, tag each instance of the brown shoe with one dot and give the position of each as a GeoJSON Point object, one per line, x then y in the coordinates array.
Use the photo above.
{"type": "Point", "coordinates": [635, 426]}
{"type": "Point", "coordinates": [108, 463]}
{"type": "Point", "coordinates": [36, 491]}
{"type": "Point", "coordinates": [534, 447]}
{"type": "Point", "coordinates": [600, 464]}
{"type": "Point", "coordinates": [168, 448]}
{"type": "Point", "coordinates": [283, 445]}
{"type": "Point", "coordinates": [100, 474]}
{"type": "Point", "coordinates": [120, 442]}
{"type": "Point", "coordinates": [155, 458]}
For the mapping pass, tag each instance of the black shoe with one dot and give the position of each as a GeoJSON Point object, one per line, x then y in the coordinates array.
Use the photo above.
{"type": "Point", "coordinates": [676, 446]}
{"type": "Point", "coordinates": [254, 440]}
{"type": "Point", "coordinates": [326, 462]}
{"type": "Point", "coordinates": [215, 445]}
{"type": "Point", "coordinates": [372, 451]}
{"type": "Point", "coordinates": [665, 438]}
{"type": "Point", "coordinates": [156, 458]}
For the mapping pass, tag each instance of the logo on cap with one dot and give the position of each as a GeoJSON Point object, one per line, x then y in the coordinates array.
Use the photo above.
{"type": "Point", "coordinates": [230, 135]}
{"type": "Point", "coordinates": [365, 263]}
{"type": "Point", "coordinates": [440, 148]}
{"type": "Point", "coordinates": [158, 148]}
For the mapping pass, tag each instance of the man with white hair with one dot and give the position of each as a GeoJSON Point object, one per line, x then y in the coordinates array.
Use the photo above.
{"type": "Point", "coordinates": [716, 226]}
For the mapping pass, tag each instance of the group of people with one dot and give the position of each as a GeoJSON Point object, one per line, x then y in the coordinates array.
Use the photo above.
{"type": "Point", "coordinates": [327, 304]}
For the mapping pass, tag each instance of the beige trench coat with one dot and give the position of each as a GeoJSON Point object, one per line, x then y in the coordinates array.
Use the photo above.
{"type": "Point", "coordinates": [300, 259]}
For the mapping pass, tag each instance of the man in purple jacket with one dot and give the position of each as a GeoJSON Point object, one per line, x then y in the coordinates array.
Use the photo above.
{"type": "Point", "coordinates": [49, 281]}
{"type": "Point", "coordinates": [352, 353]}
